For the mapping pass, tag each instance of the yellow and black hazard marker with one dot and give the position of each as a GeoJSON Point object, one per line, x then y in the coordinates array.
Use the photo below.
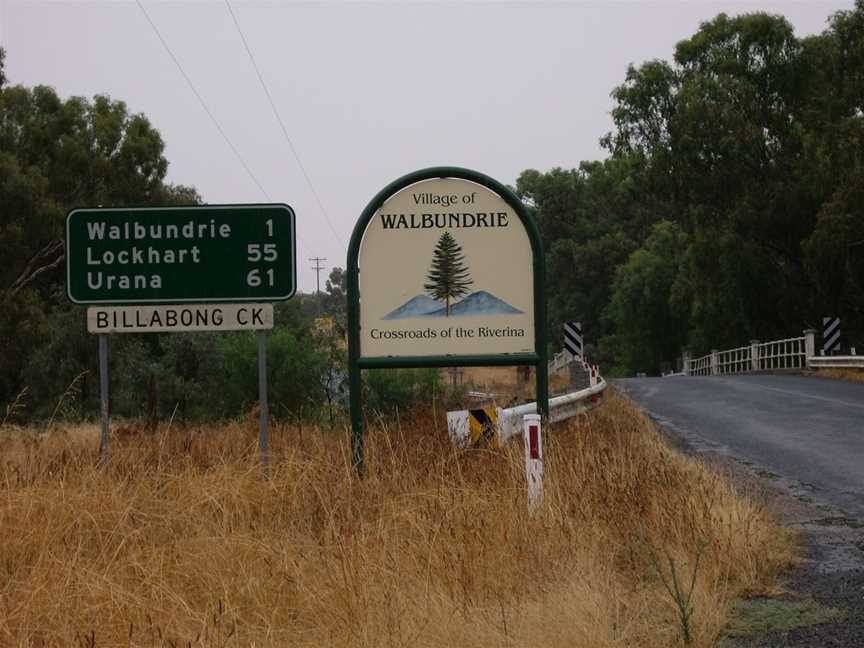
{"type": "Point", "coordinates": [483, 427]}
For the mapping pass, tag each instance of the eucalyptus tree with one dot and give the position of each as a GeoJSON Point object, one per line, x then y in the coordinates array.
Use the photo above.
{"type": "Point", "coordinates": [56, 154]}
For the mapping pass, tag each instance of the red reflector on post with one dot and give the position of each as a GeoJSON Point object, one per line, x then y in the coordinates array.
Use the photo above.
{"type": "Point", "coordinates": [534, 441]}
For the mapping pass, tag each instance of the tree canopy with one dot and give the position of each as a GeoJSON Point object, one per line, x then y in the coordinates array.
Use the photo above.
{"type": "Point", "coordinates": [749, 147]}
{"type": "Point", "coordinates": [730, 207]}
{"type": "Point", "coordinates": [56, 154]}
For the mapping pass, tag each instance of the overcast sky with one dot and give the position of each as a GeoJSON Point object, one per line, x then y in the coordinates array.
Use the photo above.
{"type": "Point", "coordinates": [367, 91]}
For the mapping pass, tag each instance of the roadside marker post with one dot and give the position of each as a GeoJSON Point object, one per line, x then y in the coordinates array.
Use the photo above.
{"type": "Point", "coordinates": [830, 335]}
{"type": "Point", "coordinates": [533, 442]}
{"type": "Point", "coordinates": [573, 340]}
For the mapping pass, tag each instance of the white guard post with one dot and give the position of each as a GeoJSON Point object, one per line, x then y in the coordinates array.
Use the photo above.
{"type": "Point", "coordinates": [533, 460]}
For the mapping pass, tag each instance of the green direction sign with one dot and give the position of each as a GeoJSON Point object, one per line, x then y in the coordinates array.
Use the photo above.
{"type": "Point", "coordinates": [212, 253]}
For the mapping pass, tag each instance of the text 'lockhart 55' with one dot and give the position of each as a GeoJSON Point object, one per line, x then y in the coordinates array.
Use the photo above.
{"type": "Point", "coordinates": [180, 254]}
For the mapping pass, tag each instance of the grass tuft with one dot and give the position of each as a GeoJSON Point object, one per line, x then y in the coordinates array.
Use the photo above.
{"type": "Point", "coordinates": [65, 406]}
{"type": "Point", "coordinates": [15, 407]}
{"type": "Point", "coordinates": [764, 615]}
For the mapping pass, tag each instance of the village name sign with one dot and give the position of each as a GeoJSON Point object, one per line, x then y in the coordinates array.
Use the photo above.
{"type": "Point", "coordinates": [445, 268]}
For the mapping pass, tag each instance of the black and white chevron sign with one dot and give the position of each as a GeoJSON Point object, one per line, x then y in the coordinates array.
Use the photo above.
{"type": "Point", "coordinates": [830, 334]}
{"type": "Point", "coordinates": [573, 338]}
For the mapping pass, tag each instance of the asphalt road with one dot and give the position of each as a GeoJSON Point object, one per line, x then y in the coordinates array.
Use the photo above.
{"type": "Point", "coordinates": [806, 429]}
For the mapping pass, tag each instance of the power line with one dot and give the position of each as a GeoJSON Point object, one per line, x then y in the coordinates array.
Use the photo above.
{"type": "Point", "coordinates": [282, 125]}
{"type": "Point", "coordinates": [207, 110]}
{"type": "Point", "coordinates": [202, 102]}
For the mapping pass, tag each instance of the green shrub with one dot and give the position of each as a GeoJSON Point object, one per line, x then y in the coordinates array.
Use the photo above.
{"type": "Point", "coordinates": [294, 370]}
{"type": "Point", "coordinates": [387, 389]}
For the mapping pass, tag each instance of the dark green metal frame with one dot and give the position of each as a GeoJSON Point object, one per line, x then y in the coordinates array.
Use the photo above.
{"type": "Point", "coordinates": [537, 359]}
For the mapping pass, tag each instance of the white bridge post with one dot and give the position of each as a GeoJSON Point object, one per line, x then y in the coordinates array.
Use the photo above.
{"type": "Point", "coordinates": [809, 345]}
{"type": "Point", "coordinates": [715, 362]}
{"type": "Point", "coordinates": [754, 355]}
{"type": "Point", "coordinates": [685, 363]}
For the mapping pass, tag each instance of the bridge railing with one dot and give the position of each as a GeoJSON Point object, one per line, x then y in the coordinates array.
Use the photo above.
{"type": "Point", "coordinates": [783, 354]}
{"type": "Point", "coordinates": [698, 367]}
{"type": "Point", "coordinates": [777, 355]}
{"type": "Point", "coordinates": [735, 360]}
{"type": "Point", "coordinates": [791, 353]}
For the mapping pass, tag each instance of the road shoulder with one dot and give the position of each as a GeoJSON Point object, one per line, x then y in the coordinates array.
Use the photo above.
{"type": "Point", "coordinates": [830, 580]}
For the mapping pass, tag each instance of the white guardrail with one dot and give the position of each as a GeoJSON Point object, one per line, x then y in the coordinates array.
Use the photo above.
{"type": "Point", "coordinates": [791, 353]}
{"type": "Point", "coordinates": [510, 420]}
{"type": "Point", "coordinates": [836, 362]}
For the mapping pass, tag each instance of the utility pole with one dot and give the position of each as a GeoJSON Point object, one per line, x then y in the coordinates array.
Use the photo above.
{"type": "Point", "coordinates": [317, 267]}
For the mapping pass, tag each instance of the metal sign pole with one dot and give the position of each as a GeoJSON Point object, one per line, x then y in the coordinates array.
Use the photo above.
{"type": "Point", "coordinates": [263, 437]}
{"type": "Point", "coordinates": [103, 396]}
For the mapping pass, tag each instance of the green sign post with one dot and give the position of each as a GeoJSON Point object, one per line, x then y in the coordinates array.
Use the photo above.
{"type": "Point", "coordinates": [445, 269]}
{"type": "Point", "coordinates": [181, 255]}
{"type": "Point", "coordinates": [221, 253]}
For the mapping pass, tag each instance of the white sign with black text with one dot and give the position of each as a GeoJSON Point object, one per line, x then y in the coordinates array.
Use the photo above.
{"type": "Point", "coordinates": [446, 268]}
{"type": "Point", "coordinates": [170, 318]}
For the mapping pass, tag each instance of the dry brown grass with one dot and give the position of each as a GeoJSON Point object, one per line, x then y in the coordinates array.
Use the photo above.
{"type": "Point", "coordinates": [502, 381]}
{"type": "Point", "coordinates": [180, 543]}
{"type": "Point", "coordinates": [855, 375]}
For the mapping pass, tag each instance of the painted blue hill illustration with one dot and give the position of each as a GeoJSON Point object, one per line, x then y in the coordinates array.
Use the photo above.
{"type": "Point", "coordinates": [419, 306]}
{"type": "Point", "coordinates": [477, 304]}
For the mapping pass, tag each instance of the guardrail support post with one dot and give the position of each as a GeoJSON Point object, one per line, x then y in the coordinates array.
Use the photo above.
{"type": "Point", "coordinates": [715, 362]}
{"type": "Point", "coordinates": [685, 363]}
{"type": "Point", "coordinates": [809, 345]}
{"type": "Point", "coordinates": [754, 355]}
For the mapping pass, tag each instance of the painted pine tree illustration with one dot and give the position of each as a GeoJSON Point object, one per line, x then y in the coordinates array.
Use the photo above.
{"type": "Point", "coordinates": [448, 277]}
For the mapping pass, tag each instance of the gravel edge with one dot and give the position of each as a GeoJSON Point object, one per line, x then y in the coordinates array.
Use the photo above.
{"type": "Point", "coordinates": [833, 572]}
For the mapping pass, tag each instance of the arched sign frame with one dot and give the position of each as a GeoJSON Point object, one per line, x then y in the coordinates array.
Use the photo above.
{"type": "Point", "coordinates": [356, 363]}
